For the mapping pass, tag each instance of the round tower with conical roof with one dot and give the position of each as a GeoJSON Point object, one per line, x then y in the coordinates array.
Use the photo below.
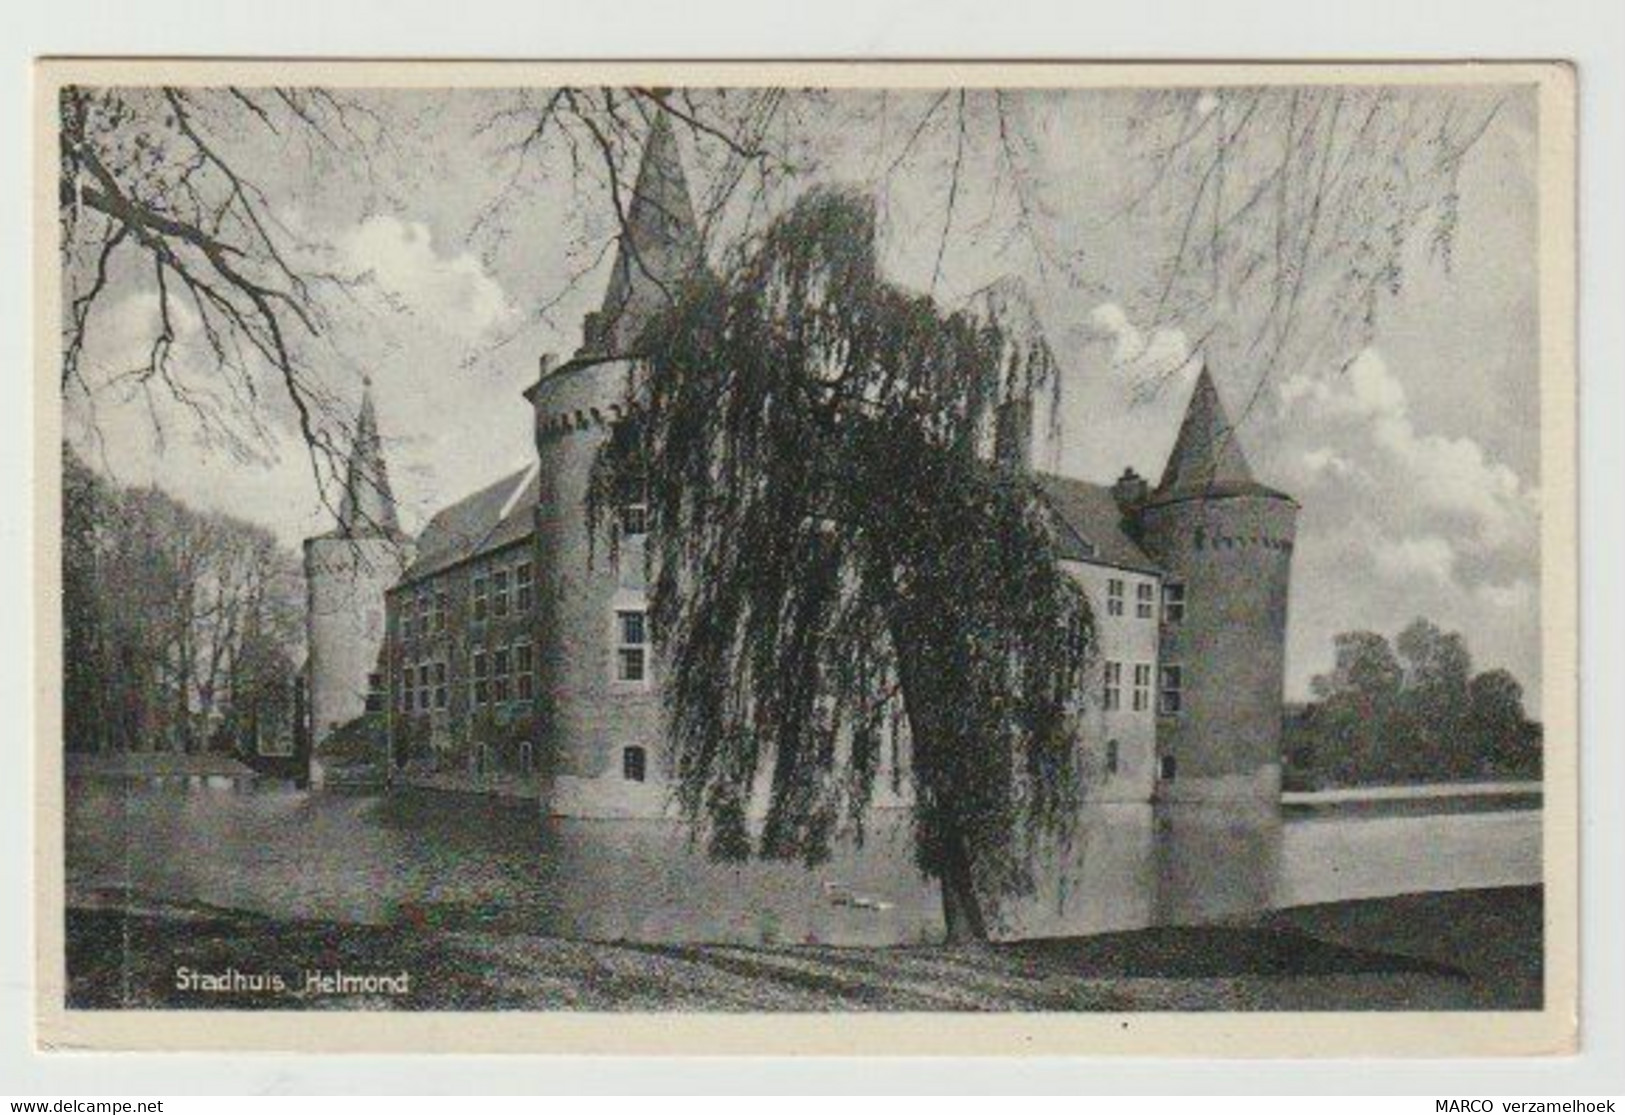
{"type": "Point", "coordinates": [347, 571]}
{"type": "Point", "coordinates": [595, 666]}
{"type": "Point", "coordinates": [1226, 542]}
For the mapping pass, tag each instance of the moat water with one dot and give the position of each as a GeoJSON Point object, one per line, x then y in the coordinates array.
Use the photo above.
{"type": "Point", "coordinates": [473, 863]}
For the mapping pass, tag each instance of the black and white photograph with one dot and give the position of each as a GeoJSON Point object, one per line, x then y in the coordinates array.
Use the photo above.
{"type": "Point", "coordinates": [1052, 543]}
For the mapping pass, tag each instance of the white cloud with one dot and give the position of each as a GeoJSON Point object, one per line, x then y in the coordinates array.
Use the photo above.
{"type": "Point", "coordinates": [1403, 559]}
{"type": "Point", "coordinates": [1516, 595]}
{"type": "Point", "coordinates": [1327, 463]}
{"type": "Point", "coordinates": [1448, 475]}
{"type": "Point", "coordinates": [453, 292]}
{"type": "Point", "coordinates": [1156, 358]}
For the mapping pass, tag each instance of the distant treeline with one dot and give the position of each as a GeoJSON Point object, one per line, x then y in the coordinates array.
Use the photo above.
{"type": "Point", "coordinates": [1410, 711]}
{"type": "Point", "coordinates": [182, 629]}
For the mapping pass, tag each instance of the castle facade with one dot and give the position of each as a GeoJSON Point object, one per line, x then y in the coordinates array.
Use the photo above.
{"type": "Point", "coordinates": [507, 653]}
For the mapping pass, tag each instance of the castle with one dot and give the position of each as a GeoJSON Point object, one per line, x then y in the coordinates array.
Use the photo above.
{"type": "Point", "coordinates": [508, 654]}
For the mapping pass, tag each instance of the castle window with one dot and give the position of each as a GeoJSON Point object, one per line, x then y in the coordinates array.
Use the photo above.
{"type": "Point", "coordinates": [1171, 691]}
{"type": "Point", "coordinates": [1142, 686]}
{"type": "Point", "coordinates": [524, 672]}
{"type": "Point", "coordinates": [442, 605]}
{"type": "Point", "coordinates": [1173, 602]}
{"type": "Point", "coordinates": [527, 757]}
{"type": "Point", "coordinates": [523, 586]}
{"type": "Point", "coordinates": [499, 671]}
{"type": "Point", "coordinates": [482, 675]}
{"type": "Point", "coordinates": [375, 692]}
{"type": "Point", "coordinates": [634, 764]}
{"type": "Point", "coordinates": [1113, 756]}
{"type": "Point", "coordinates": [634, 520]}
{"type": "Point", "coordinates": [424, 692]}
{"type": "Point", "coordinates": [406, 617]}
{"type": "Point", "coordinates": [1166, 768]}
{"type": "Point", "coordinates": [440, 689]}
{"type": "Point", "coordinates": [1111, 697]}
{"type": "Point", "coordinates": [479, 597]}
{"type": "Point", "coordinates": [1145, 600]}
{"type": "Point", "coordinates": [499, 592]}
{"type": "Point", "coordinates": [1114, 597]}
{"type": "Point", "coordinates": [632, 647]}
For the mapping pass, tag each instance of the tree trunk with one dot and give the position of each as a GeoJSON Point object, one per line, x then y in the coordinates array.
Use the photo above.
{"type": "Point", "coordinates": [962, 915]}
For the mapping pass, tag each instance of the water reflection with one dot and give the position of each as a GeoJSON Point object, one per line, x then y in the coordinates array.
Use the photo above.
{"type": "Point", "coordinates": [476, 862]}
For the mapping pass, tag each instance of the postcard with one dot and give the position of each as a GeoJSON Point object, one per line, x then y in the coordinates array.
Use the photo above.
{"type": "Point", "coordinates": [806, 557]}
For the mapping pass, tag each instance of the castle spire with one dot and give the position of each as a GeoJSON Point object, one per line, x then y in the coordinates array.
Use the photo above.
{"type": "Point", "coordinates": [658, 246]}
{"type": "Point", "coordinates": [1207, 454]}
{"type": "Point", "coordinates": [368, 507]}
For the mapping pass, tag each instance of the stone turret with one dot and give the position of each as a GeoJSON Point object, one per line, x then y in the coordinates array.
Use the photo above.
{"type": "Point", "coordinates": [596, 712]}
{"type": "Point", "coordinates": [346, 572]}
{"type": "Point", "coordinates": [1226, 542]}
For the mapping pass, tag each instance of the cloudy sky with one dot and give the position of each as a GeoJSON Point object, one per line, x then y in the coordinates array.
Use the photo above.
{"type": "Point", "coordinates": [1415, 459]}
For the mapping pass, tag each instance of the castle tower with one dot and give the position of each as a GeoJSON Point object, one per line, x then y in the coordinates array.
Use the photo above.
{"type": "Point", "coordinates": [1226, 542]}
{"type": "Point", "coordinates": [346, 572]}
{"type": "Point", "coordinates": [602, 722]}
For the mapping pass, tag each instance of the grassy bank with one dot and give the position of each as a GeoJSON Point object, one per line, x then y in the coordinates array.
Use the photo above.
{"type": "Point", "coordinates": [1458, 951]}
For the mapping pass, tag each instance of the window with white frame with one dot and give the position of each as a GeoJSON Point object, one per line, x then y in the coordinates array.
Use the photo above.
{"type": "Point", "coordinates": [424, 690]}
{"type": "Point", "coordinates": [499, 592]}
{"type": "Point", "coordinates": [631, 645]}
{"type": "Point", "coordinates": [441, 689]}
{"type": "Point", "coordinates": [1111, 697]}
{"type": "Point", "coordinates": [524, 586]}
{"type": "Point", "coordinates": [500, 664]}
{"type": "Point", "coordinates": [1114, 596]}
{"type": "Point", "coordinates": [482, 678]}
{"type": "Point", "coordinates": [1142, 686]}
{"type": "Point", "coordinates": [1145, 600]}
{"type": "Point", "coordinates": [479, 597]}
{"type": "Point", "coordinates": [524, 672]}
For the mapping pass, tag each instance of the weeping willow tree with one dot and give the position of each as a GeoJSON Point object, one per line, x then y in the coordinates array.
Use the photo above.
{"type": "Point", "coordinates": [835, 553]}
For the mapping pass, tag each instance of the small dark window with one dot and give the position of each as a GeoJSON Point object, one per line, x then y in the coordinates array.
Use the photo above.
{"type": "Point", "coordinates": [1173, 602]}
{"type": "Point", "coordinates": [1166, 768]}
{"type": "Point", "coordinates": [634, 520]}
{"type": "Point", "coordinates": [1112, 691]}
{"type": "Point", "coordinates": [1114, 597]}
{"type": "Point", "coordinates": [375, 692]}
{"type": "Point", "coordinates": [634, 764]}
{"type": "Point", "coordinates": [527, 758]}
{"type": "Point", "coordinates": [1113, 756]}
{"type": "Point", "coordinates": [1171, 693]}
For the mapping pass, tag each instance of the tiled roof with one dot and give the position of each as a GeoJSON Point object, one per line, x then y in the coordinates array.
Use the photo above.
{"type": "Point", "coordinates": [493, 517]}
{"type": "Point", "coordinates": [1207, 460]}
{"type": "Point", "coordinates": [1094, 529]}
